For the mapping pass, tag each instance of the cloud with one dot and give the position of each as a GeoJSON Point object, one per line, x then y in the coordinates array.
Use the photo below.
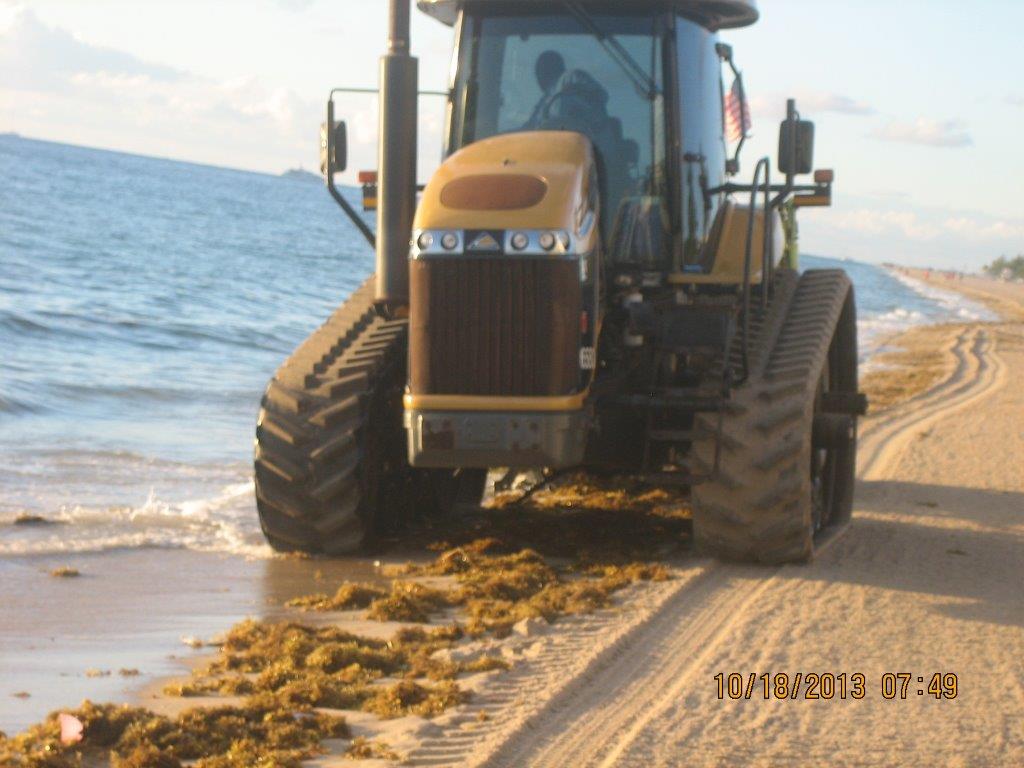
{"type": "Point", "coordinates": [50, 78]}
{"type": "Point", "coordinates": [834, 102]}
{"type": "Point", "coordinates": [875, 222]}
{"type": "Point", "coordinates": [866, 228]}
{"type": "Point", "coordinates": [928, 225]}
{"type": "Point", "coordinates": [296, 5]}
{"type": "Point", "coordinates": [810, 103]}
{"type": "Point", "coordinates": [35, 56]}
{"type": "Point", "coordinates": [927, 132]}
{"type": "Point", "coordinates": [984, 229]}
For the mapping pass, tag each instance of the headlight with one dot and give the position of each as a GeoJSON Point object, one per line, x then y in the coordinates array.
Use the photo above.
{"type": "Point", "coordinates": [425, 241]}
{"type": "Point", "coordinates": [449, 241]}
{"type": "Point", "coordinates": [547, 240]}
{"type": "Point", "coordinates": [520, 240]}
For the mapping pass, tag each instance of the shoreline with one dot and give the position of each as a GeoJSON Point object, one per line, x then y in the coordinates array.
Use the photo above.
{"type": "Point", "coordinates": [909, 363]}
{"type": "Point", "coordinates": [1004, 298]}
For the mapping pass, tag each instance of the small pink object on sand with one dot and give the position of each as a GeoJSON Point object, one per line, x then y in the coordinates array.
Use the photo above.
{"type": "Point", "coordinates": [70, 729]}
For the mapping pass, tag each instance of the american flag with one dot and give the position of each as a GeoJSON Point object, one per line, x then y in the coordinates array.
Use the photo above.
{"type": "Point", "coordinates": [737, 113]}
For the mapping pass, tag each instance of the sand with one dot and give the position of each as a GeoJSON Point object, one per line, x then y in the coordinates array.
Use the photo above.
{"type": "Point", "coordinates": [130, 609]}
{"type": "Point", "coordinates": [927, 579]}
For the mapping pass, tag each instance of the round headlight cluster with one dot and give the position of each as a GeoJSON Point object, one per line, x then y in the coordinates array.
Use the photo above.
{"type": "Point", "coordinates": [547, 241]}
{"type": "Point", "coordinates": [427, 240]}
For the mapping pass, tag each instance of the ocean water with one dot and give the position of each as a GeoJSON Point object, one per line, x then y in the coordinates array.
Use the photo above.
{"type": "Point", "coordinates": [145, 303]}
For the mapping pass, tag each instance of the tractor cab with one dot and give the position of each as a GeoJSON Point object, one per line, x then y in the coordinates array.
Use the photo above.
{"type": "Point", "coordinates": [642, 83]}
{"type": "Point", "coordinates": [602, 75]}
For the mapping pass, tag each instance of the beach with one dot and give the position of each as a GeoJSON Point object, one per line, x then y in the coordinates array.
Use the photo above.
{"type": "Point", "coordinates": [925, 581]}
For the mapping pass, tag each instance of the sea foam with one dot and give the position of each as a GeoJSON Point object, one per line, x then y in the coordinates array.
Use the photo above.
{"type": "Point", "coordinates": [225, 523]}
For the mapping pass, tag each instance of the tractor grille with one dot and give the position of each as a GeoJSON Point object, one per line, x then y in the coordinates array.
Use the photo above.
{"type": "Point", "coordinates": [494, 326]}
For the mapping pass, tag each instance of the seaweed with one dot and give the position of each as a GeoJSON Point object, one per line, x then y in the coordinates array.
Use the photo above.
{"type": "Point", "coordinates": [409, 697]}
{"type": "Point", "coordinates": [219, 737]}
{"type": "Point", "coordinates": [364, 749]}
{"type": "Point", "coordinates": [917, 362]}
{"type": "Point", "coordinates": [409, 601]}
{"type": "Point", "coordinates": [348, 597]}
{"type": "Point", "coordinates": [145, 756]}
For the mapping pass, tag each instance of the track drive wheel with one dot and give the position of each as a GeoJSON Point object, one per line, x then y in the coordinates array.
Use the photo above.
{"type": "Point", "coordinates": [788, 448]}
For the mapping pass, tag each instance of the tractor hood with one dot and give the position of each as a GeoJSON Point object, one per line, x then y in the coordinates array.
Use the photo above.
{"type": "Point", "coordinates": [533, 180]}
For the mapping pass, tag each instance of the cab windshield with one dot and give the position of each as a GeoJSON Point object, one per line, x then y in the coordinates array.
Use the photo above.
{"type": "Point", "coordinates": [596, 73]}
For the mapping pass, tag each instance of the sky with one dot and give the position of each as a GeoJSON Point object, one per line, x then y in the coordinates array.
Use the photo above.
{"type": "Point", "coordinates": [918, 104]}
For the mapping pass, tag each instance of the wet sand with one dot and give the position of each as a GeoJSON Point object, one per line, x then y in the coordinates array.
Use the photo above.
{"type": "Point", "coordinates": [131, 610]}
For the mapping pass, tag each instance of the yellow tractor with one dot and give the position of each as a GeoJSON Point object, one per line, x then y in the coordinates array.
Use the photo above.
{"type": "Point", "coordinates": [582, 283]}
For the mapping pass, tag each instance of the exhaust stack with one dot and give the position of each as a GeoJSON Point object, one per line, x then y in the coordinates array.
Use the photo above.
{"type": "Point", "coordinates": [399, 75]}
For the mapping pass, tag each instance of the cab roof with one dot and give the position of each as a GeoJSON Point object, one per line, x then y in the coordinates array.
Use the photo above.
{"type": "Point", "coordinates": [713, 14]}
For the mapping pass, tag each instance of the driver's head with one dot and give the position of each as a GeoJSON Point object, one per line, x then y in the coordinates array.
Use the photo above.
{"type": "Point", "coordinates": [549, 68]}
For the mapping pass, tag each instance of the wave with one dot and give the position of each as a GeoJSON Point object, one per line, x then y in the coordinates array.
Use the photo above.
{"type": "Point", "coordinates": [98, 456]}
{"type": "Point", "coordinates": [11, 321]}
{"type": "Point", "coordinates": [151, 332]}
{"type": "Point", "coordinates": [133, 393]}
{"type": "Point", "coordinates": [955, 305]}
{"type": "Point", "coordinates": [225, 523]}
{"type": "Point", "coordinates": [888, 323]}
{"type": "Point", "coordinates": [12, 405]}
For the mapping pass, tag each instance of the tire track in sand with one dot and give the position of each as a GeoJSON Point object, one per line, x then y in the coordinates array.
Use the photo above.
{"type": "Point", "coordinates": [596, 716]}
{"type": "Point", "coordinates": [979, 370]}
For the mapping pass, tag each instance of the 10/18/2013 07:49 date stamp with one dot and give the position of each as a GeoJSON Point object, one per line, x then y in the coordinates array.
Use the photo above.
{"type": "Point", "coordinates": [828, 685]}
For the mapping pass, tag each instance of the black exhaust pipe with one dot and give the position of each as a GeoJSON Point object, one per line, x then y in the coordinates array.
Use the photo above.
{"type": "Point", "coordinates": [396, 193]}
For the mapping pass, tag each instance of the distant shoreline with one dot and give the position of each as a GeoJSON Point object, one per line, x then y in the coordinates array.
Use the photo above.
{"type": "Point", "coordinates": [164, 158]}
{"type": "Point", "coordinates": [301, 174]}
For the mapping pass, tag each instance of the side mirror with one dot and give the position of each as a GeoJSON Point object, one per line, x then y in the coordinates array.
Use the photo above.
{"type": "Point", "coordinates": [333, 148]}
{"type": "Point", "coordinates": [735, 110]}
{"type": "Point", "coordinates": [796, 146]}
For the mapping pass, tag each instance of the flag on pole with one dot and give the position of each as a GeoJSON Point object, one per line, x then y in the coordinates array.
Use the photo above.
{"type": "Point", "coordinates": [737, 113]}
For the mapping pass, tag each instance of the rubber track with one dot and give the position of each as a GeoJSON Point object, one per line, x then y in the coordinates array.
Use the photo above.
{"type": "Point", "coordinates": [311, 442]}
{"type": "Point", "coordinates": [759, 508]}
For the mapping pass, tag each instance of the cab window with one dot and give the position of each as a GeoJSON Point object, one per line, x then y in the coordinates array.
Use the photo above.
{"type": "Point", "coordinates": [703, 145]}
{"type": "Point", "coordinates": [600, 75]}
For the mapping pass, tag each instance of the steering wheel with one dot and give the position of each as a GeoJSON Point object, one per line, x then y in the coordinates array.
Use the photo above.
{"type": "Point", "coordinates": [545, 114]}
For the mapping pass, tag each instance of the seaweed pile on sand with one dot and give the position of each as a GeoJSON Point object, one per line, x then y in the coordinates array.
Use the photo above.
{"type": "Point", "coordinates": [291, 665]}
{"type": "Point", "coordinates": [918, 361]}
{"type": "Point", "coordinates": [565, 549]}
{"type": "Point", "coordinates": [132, 737]}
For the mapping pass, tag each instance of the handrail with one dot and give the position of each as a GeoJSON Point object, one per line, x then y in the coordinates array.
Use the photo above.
{"type": "Point", "coordinates": [767, 264]}
{"type": "Point", "coordinates": [764, 163]}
